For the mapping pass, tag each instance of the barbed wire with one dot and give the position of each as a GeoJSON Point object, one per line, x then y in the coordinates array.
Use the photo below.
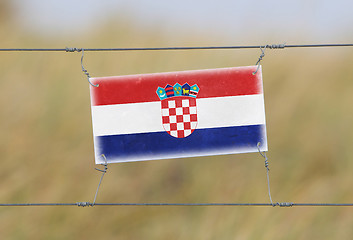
{"type": "Point", "coordinates": [269, 46]}
{"type": "Point", "coordinates": [89, 204]}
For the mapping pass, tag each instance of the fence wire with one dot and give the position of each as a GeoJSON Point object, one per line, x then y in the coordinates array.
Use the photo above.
{"type": "Point", "coordinates": [268, 46]}
{"type": "Point", "coordinates": [88, 204]}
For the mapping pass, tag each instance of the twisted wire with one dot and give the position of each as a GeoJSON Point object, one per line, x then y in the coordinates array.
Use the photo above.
{"type": "Point", "coordinates": [82, 67]}
{"type": "Point", "coordinates": [263, 154]}
{"type": "Point", "coordinates": [103, 172]}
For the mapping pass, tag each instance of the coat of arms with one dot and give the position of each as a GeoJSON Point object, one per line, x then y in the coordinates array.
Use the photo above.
{"type": "Point", "coordinates": [178, 108]}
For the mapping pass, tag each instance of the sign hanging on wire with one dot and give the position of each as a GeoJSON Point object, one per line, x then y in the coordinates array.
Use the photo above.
{"type": "Point", "coordinates": [178, 114]}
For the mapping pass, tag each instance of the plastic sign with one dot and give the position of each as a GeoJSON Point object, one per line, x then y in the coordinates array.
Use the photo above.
{"type": "Point", "coordinates": [178, 114]}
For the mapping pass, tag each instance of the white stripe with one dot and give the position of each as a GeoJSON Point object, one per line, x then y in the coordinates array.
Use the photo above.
{"type": "Point", "coordinates": [146, 117]}
{"type": "Point", "coordinates": [127, 118]}
{"type": "Point", "coordinates": [230, 111]}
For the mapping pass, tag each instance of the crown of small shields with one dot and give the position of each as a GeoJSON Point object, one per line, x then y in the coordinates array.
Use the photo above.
{"type": "Point", "coordinates": [177, 90]}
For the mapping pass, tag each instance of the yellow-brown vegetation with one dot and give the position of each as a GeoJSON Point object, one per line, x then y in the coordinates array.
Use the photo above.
{"type": "Point", "coordinates": [47, 149]}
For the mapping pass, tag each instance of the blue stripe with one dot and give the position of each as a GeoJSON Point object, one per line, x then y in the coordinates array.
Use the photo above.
{"type": "Point", "coordinates": [155, 145]}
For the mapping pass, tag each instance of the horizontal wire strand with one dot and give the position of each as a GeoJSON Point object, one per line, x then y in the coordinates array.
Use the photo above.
{"type": "Point", "coordinates": [86, 204]}
{"type": "Point", "coordinates": [272, 46]}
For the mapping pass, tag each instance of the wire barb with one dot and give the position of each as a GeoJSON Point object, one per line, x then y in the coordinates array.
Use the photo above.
{"type": "Point", "coordinates": [276, 46]}
{"type": "Point", "coordinates": [103, 172]}
{"type": "Point", "coordinates": [68, 49]}
{"type": "Point", "coordinates": [83, 69]}
{"type": "Point", "coordinates": [285, 204]}
{"type": "Point", "coordinates": [84, 204]}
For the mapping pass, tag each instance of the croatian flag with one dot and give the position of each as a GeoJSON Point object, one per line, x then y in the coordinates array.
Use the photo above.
{"type": "Point", "coordinates": [178, 114]}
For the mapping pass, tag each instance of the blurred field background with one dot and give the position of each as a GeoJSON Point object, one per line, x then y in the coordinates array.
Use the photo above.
{"type": "Point", "coordinates": [47, 148]}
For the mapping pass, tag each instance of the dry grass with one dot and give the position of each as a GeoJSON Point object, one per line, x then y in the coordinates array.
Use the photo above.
{"type": "Point", "coordinates": [47, 149]}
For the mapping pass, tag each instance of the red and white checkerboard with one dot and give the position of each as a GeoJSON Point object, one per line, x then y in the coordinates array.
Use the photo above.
{"type": "Point", "coordinates": [179, 116]}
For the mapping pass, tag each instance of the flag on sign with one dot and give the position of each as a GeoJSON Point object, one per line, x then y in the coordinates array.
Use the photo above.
{"type": "Point", "coordinates": [178, 114]}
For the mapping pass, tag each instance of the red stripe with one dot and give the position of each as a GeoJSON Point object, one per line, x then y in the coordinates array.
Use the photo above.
{"type": "Point", "coordinates": [142, 88]}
